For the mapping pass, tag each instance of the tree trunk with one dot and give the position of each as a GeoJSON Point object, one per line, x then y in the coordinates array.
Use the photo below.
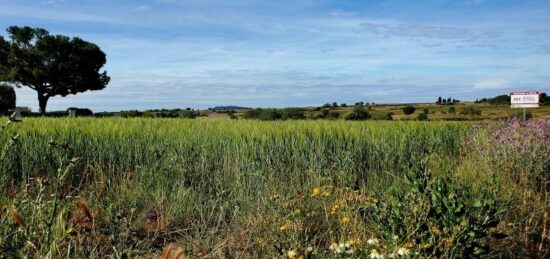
{"type": "Point", "coordinates": [42, 102]}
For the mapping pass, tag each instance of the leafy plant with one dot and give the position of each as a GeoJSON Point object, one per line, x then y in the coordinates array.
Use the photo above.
{"type": "Point", "coordinates": [436, 216]}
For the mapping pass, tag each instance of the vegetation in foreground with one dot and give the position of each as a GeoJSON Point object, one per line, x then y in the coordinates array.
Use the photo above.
{"type": "Point", "coordinates": [130, 187]}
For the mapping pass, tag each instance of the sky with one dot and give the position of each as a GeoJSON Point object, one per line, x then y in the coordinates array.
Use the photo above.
{"type": "Point", "coordinates": [266, 53]}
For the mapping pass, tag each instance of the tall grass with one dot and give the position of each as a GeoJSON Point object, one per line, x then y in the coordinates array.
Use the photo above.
{"type": "Point", "coordinates": [217, 188]}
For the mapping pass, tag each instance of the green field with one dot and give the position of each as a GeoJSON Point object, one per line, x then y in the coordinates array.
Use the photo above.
{"type": "Point", "coordinates": [88, 187]}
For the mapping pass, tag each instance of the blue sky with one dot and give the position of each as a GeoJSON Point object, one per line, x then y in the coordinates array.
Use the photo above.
{"type": "Point", "coordinates": [203, 53]}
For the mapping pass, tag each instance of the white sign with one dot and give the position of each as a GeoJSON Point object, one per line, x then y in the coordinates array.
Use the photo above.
{"type": "Point", "coordinates": [525, 99]}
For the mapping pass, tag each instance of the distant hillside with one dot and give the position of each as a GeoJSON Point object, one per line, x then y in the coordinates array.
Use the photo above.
{"type": "Point", "coordinates": [230, 107]}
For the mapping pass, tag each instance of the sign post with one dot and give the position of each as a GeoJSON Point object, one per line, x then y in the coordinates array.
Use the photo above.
{"type": "Point", "coordinates": [524, 100]}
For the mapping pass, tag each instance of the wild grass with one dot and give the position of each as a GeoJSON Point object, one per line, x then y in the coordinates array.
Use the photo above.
{"type": "Point", "coordinates": [239, 188]}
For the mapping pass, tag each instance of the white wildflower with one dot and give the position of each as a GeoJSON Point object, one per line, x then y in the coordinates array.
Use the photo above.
{"type": "Point", "coordinates": [375, 255]}
{"type": "Point", "coordinates": [372, 241]}
{"type": "Point", "coordinates": [403, 251]}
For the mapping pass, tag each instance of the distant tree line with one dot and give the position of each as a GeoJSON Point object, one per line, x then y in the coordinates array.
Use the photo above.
{"type": "Point", "coordinates": [504, 99]}
{"type": "Point", "coordinates": [358, 113]}
{"type": "Point", "coordinates": [497, 100]}
{"type": "Point", "coordinates": [85, 112]}
{"type": "Point", "coordinates": [449, 100]}
{"type": "Point", "coordinates": [275, 114]}
{"type": "Point", "coordinates": [156, 113]}
{"type": "Point", "coordinates": [79, 112]}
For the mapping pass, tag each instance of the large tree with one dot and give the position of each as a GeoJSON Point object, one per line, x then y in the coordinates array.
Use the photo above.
{"type": "Point", "coordinates": [51, 64]}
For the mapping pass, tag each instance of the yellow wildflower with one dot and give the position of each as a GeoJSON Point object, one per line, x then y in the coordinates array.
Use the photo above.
{"type": "Point", "coordinates": [354, 241]}
{"type": "Point", "coordinates": [286, 225]}
{"type": "Point", "coordinates": [334, 208]}
{"type": "Point", "coordinates": [425, 246]}
{"type": "Point", "coordinates": [315, 192]}
{"type": "Point", "coordinates": [344, 219]}
{"type": "Point", "coordinates": [291, 254]}
{"type": "Point", "coordinates": [436, 231]}
{"type": "Point", "coordinates": [70, 231]}
{"type": "Point", "coordinates": [409, 245]}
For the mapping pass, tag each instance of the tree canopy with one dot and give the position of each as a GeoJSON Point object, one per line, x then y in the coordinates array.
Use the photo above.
{"type": "Point", "coordinates": [51, 64]}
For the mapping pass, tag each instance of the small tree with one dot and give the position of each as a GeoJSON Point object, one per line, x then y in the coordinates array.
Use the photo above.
{"type": "Point", "coordinates": [426, 111]}
{"type": "Point", "coordinates": [334, 104]}
{"type": "Point", "coordinates": [7, 99]}
{"type": "Point", "coordinates": [51, 65]}
{"type": "Point", "coordinates": [409, 109]}
{"type": "Point", "coordinates": [389, 116]}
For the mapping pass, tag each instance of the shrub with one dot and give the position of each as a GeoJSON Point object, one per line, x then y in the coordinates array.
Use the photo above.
{"type": "Point", "coordinates": [327, 114]}
{"type": "Point", "coordinates": [263, 114]}
{"type": "Point", "coordinates": [292, 113]}
{"type": "Point", "coordinates": [358, 113]}
{"type": "Point", "coordinates": [333, 115]}
{"type": "Point", "coordinates": [408, 110]}
{"type": "Point", "coordinates": [389, 116]}
{"type": "Point", "coordinates": [470, 111]}
{"type": "Point", "coordinates": [422, 117]}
